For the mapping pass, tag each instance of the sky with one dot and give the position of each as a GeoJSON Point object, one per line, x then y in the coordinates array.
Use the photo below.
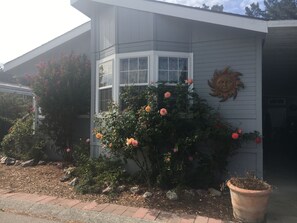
{"type": "Point", "coordinates": [27, 24]}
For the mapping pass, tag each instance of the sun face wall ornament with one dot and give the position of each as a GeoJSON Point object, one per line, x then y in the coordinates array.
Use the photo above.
{"type": "Point", "coordinates": [225, 84]}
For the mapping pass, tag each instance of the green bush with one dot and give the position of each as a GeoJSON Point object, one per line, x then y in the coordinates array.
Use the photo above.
{"type": "Point", "coordinates": [63, 92]}
{"type": "Point", "coordinates": [173, 136]}
{"type": "Point", "coordinates": [96, 174]}
{"type": "Point", "coordinates": [12, 106]}
{"type": "Point", "coordinates": [22, 143]}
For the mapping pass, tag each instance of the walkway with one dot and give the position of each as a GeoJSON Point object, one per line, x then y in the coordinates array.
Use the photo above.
{"type": "Point", "coordinates": [76, 211]}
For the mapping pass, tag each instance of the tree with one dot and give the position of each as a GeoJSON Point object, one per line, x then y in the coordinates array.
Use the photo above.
{"type": "Point", "coordinates": [63, 92]}
{"type": "Point", "coordinates": [217, 8]}
{"type": "Point", "coordinates": [274, 10]}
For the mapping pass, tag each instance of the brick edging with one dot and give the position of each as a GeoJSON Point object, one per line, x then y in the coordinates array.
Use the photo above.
{"type": "Point", "coordinates": [114, 209]}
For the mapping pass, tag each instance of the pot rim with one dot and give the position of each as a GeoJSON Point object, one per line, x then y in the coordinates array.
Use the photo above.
{"type": "Point", "coordinates": [249, 192]}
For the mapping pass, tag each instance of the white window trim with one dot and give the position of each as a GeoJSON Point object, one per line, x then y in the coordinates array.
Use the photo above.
{"type": "Point", "coordinates": [148, 54]}
{"type": "Point", "coordinates": [153, 69]}
{"type": "Point", "coordinates": [98, 62]}
{"type": "Point", "coordinates": [158, 54]}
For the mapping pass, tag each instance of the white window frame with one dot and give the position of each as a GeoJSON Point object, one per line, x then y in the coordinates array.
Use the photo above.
{"type": "Point", "coordinates": [153, 70]}
{"type": "Point", "coordinates": [98, 62]}
{"type": "Point", "coordinates": [158, 54]}
{"type": "Point", "coordinates": [148, 54]}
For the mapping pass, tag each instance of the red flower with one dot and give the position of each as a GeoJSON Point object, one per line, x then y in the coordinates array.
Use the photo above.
{"type": "Point", "coordinates": [258, 140]}
{"type": "Point", "coordinates": [235, 135]}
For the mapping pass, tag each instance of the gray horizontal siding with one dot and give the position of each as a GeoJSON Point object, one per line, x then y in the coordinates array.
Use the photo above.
{"type": "Point", "coordinates": [240, 54]}
{"type": "Point", "coordinates": [135, 47]}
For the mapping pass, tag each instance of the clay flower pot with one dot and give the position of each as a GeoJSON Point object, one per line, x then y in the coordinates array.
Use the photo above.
{"type": "Point", "coordinates": [249, 206]}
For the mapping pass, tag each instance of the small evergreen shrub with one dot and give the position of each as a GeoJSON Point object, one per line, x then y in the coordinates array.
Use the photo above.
{"type": "Point", "coordinates": [22, 142]}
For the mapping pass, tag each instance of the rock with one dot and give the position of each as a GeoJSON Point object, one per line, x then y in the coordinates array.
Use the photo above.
{"type": "Point", "coordinates": [214, 193]}
{"type": "Point", "coordinates": [73, 182]}
{"type": "Point", "coordinates": [65, 178]}
{"type": "Point", "coordinates": [107, 190]}
{"type": "Point", "coordinates": [121, 188]}
{"type": "Point", "coordinates": [41, 162]}
{"type": "Point", "coordinates": [28, 163]}
{"type": "Point", "coordinates": [134, 190]}
{"type": "Point", "coordinates": [10, 161]}
{"type": "Point", "coordinates": [18, 162]}
{"type": "Point", "coordinates": [147, 194]}
{"type": "Point", "coordinates": [3, 159]}
{"type": "Point", "coordinates": [201, 193]}
{"type": "Point", "coordinates": [171, 195]}
{"type": "Point", "coordinates": [189, 193]}
{"type": "Point", "coordinates": [69, 170]}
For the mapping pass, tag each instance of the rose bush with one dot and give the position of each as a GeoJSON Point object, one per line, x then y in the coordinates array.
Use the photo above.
{"type": "Point", "coordinates": [171, 134]}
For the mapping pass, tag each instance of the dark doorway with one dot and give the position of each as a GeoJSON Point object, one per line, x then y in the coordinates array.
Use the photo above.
{"type": "Point", "coordinates": [280, 102]}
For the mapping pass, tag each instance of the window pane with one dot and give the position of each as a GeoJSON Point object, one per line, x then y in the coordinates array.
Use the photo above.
{"type": "Point", "coordinates": [173, 63]}
{"type": "Point", "coordinates": [143, 65]}
{"type": "Point", "coordinates": [173, 77]}
{"type": "Point", "coordinates": [105, 97]}
{"type": "Point", "coordinates": [124, 65]}
{"type": "Point", "coordinates": [183, 64]}
{"type": "Point", "coordinates": [124, 77]}
{"type": "Point", "coordinates": [133, 64]}
{"type": "Point", "coordinates": [142, 77]}
{"type": "Point", "coordinates": [163, 63]}
{"type": "Point", "coordinates": [133, 76]}
{"type": "Point", "coordinates": [163, 76]}
{"type": "Point", "coordinates": [105, 74]}
{"type": "Point", "coordinates": [183, 75]}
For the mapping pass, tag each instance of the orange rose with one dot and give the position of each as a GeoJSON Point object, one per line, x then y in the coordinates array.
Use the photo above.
{"type": "Point", "coordinates": [148, 108]}
{"type": "Point", "coordinates": [189, 81]}
{"type": "Point", "coordinates": [129, 141]}
{"type": "Point", "coordinates": [99, 135]}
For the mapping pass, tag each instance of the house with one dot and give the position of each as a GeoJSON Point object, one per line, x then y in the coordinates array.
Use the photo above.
{"type": "Point", "coordinates": [142, 41]}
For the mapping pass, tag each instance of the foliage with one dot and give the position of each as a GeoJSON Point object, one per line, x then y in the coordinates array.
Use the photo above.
{"type": "Point", "coordinates": [274, 10]}
{"type": "Point", "coordinates": [22, 143]}
{"type": "Point", "coordinates": [63, 92]}
{"type": "Point", "coordinates": [217, 8]}
{"type": "Point", "coordinates": [96, 174]}
{"type": "Point", "coordinates": [12, 106]}
{"type": "Point", "coordinates": [171, 134]}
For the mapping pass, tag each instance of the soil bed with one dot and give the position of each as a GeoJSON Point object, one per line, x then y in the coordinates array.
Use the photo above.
{"type": "Point", "coordinates": [250, 183]}
{"type": "Point", "coordinates": [46, 180]}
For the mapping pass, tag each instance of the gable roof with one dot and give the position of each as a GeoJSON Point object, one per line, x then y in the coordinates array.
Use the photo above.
{"type": "Point", "coordinates": [86, 27]}
{"type": "Point", "coordinates": [185, 12]}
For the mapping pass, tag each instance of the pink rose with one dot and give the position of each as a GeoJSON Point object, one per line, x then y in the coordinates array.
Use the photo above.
{"type": "Point", "coordinates": [135, 143]}
{"type": "Point", "coordinates": [167, 94]}
{"type": "Point", "coordinates": [163, 112]}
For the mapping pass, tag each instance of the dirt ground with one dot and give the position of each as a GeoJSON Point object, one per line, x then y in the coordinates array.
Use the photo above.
{"type": "Point", "coordinates": [45, 180]}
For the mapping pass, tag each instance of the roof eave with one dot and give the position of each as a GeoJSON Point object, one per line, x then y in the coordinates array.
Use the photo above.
{"type": "Point", "coordinates": [191, 13]}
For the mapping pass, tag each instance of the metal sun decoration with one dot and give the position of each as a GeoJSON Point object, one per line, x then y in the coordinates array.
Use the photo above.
{"type": "Point", "coordinates": [225, 84]}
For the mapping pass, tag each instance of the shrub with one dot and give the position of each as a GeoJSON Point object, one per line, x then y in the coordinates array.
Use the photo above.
{"type": "Point", "coordinates": [172, 135]}
{"type": "Point", "coordinates": [22, 143]}
{"type": "Point", "coordinates": [63, 92]}
{"type": "Point", "coordinates": [12, 106]}
{"type": "Point", "coordinates": [96, 174]}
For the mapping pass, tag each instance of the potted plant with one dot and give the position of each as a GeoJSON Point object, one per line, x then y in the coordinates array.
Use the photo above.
{"type": "Point", "coordinates": [249, 197]}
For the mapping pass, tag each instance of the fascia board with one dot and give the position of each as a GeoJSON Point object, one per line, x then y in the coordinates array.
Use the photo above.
{"type": "Point", "coordinates": [191, 13]}
{"type": "Point", "coordinates": [282, 23]}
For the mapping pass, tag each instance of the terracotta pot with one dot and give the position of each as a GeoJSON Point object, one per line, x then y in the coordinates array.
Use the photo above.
{"type": "Point", "coordinates": [249, 206]}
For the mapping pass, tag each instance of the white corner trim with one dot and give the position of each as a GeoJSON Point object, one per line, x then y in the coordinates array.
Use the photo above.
{"type": "Point", "coordinates": [48, 46]}
{"type": "Point", "coordinates": [191, 13]}
{"type": "Point", "coordinates": [282, 23]}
